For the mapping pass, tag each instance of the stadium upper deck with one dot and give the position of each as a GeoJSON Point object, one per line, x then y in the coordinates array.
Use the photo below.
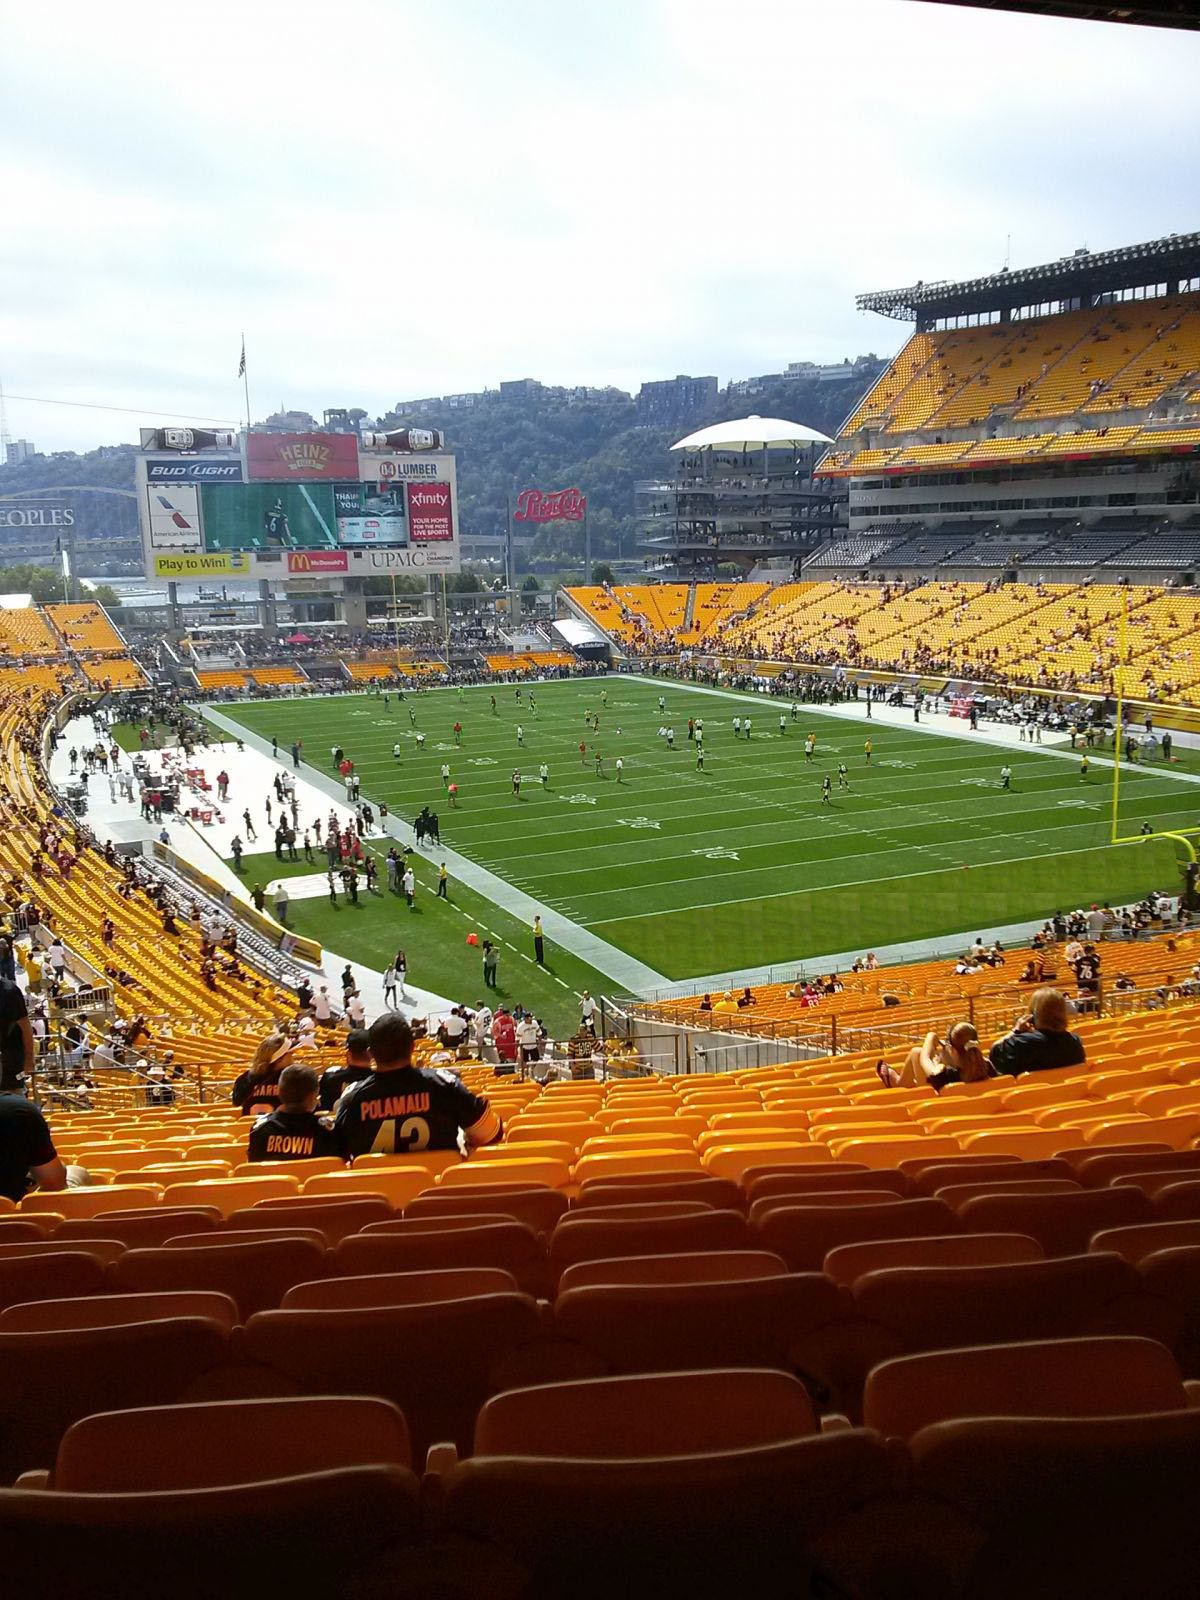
{"type": "Point", "coordinates": [1046, 372]}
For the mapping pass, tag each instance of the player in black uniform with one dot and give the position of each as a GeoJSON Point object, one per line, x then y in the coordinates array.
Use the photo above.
{"type": "Point", "coordinates": [276, 531]}
{"type": "Point", "coordinates": [401, 1107]}
{"type": "Point", "coordinates": [257, 1089]}
{"type": "Point", "coordinates": [359, 1065]}
{"type": "Point", "coordinates": [294, 1132]}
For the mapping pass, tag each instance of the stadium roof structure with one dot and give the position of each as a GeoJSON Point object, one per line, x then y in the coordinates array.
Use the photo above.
{"type": "Point", "coordinates": [1078, 279]}
{"type": "Point", "coordinates": [1172, 14]}
{"type": "Point", "coordinates": [752, 433]}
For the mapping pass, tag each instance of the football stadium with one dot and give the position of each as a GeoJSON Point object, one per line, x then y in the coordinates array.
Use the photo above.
{"type": "Point", "coordinates": [686, 1080]}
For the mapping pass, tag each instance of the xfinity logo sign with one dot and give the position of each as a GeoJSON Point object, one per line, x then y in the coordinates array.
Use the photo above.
{"type": "Point", "coordinates": [176, 471]}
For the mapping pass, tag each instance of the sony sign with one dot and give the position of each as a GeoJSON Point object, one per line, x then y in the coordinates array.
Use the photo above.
{"type": "Point", "coordinates": [36, 515]}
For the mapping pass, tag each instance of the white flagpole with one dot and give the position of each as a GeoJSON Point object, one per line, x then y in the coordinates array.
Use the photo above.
{"type": "Point", "coordinates": [245, 381]}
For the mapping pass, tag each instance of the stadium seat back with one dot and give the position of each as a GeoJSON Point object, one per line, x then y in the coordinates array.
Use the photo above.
{"type": "Point", "coordinates": [229, 1194]}
{"type": "Point", "coordinates": [849, 1262]}
{"type": "Point", "coordinates": [437, 1361]}
{"type": "Point", "coordinates": [1098, 1168]}
{"type": "Point", "coordinates": [333, 1219]}
{"type": "Point", "coordinates": [93, 1202]}
{"type": "Point", "coordinates": [704, 1266]}
{"type": "Point", "coordinates": [50, 1275]}
{"type": "Point", "coordinates": [646, 1210]}
{"type": "Point", "coordinates": [1136, 1241]}
{"type": "Point", "coordinates": [116, 1310]}
{"type": "Point", "coordinates": [651, 1327]}
{"type": "Point", "coordinates": [734, 1161]}
{"type": "Point", "coordinates": [804, 1235]}
{"type": "Point", "coordinates": [74, 1372]}
{"type": "Point", "coordinates": [141, 1229]}
{"type": "Point", "coordinates": [509, 1245]}
{"type": "Point", "coordinates": [537, 1208]}
{"type": "Point", "coordinates": [1047, 1505]}
{"type": "Point", "coordinates": [1089, 1377]}
{"type": "Point", "coordinates": [718, 1194]}
{"type": "Point", "coordinates": [940, 1308]}
{"type": "Point", "coordinates": [555, 1517]}
{"type": "Point", "coordinates": [185, 1543]}
{"type": "Point", "coordinates": [254, 1275]}
{"type": "Point", "coordinates": [844, 1175]}
{"type": "Point", "coordinates": [580, 1237]}
{"type": "Point", "coordinates": [398, 1289]}
{"type": "Point", "coordinates": [647, 1415]}
{"type": "Point", "coordinates": [957, 1194]}
{"type": "Point", "coordinates": [1177, 1202]}
{"type": "Point", "coordinates": [200, 1446]}
{"type": "Point", "coordinates": [1063, 1224]}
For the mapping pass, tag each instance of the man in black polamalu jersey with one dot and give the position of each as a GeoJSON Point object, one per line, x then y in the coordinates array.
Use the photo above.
{"type": "Point", "coordinates": [401, 1107]}
{"type": "Point", "coordinates": [294, 1132]}
{"type": "Point", "coordinates": [359, 1065]}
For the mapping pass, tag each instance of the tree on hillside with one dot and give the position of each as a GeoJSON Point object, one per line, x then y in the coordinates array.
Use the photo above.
{"type": "Point", "coordinates": [603, 573]}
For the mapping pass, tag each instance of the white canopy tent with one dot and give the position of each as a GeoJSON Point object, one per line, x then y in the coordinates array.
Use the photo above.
{"type": "Point", "coordinates": [753, 433]}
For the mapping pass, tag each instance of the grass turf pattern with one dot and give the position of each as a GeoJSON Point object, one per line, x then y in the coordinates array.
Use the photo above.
{"type": "Point", "coordinates": [743, 864]}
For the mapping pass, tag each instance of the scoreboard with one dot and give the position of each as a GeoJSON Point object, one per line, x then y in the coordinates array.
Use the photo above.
{"type": "Point", "coordinates": [265, 505]}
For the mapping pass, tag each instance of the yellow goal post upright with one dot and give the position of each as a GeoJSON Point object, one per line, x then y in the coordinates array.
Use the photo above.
{"type": "Point", "coordinates": [1182, 836]}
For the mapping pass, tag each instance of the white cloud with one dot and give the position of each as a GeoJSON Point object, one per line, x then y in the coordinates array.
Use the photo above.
{"type": "Point", "coordinates": [401, 199]}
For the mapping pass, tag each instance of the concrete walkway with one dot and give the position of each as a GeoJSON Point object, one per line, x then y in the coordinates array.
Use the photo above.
{"type": "Point", "coordinates": [202, 845]}
{"type": "Point", "coordinates": [625, 971]}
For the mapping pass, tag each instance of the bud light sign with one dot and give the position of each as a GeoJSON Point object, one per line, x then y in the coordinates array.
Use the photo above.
{"type": "Point", "coordinates": [430, 516]}
{"type": "Point", "coordinates": [562, 505]}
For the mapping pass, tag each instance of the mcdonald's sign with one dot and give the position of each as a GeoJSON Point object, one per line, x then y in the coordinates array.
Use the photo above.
{"type": "Point", "coordinates": [317, 561]}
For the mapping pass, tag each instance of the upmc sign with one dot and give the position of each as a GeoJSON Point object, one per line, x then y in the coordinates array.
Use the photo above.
{"type": "Point", "coordinates": [562, 505]}
{"type": "Point", "coordinates": [289, 457]}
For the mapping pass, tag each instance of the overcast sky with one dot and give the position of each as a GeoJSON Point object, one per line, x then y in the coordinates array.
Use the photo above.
{"type": "Point", "coordinates": [396, 199]}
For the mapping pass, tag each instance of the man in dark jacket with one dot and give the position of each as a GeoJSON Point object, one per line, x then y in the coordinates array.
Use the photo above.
{"type": "Point", "coordinates": [1041, 1041]}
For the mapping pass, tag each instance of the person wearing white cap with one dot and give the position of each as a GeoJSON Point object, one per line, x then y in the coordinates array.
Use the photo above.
{"type": "Point", "coordinates": [257, 1089]}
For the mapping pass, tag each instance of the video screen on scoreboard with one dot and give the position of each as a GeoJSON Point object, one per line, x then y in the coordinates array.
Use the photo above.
{"type": "Point", "coordinates": [268, 516]}
{"type": "Point", "coordinates": [371, 514]}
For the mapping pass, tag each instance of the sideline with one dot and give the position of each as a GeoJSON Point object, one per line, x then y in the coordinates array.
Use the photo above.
{"type": "Point", "coordinates": [632, 975]}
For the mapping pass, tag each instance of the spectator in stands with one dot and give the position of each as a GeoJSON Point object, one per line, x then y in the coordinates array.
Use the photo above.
{"type": "Point", "coordinates": [26, 1150]}
{"type": "Point", "coordinates": [1041, 1041]}
{"type": "Point", "coordinates": [401, 1107]}
{"type": "Point", "coordinates": [294, 1131]}
{"type": "Point", "coordinates": [504, 1037]}
{"type": "Point", "coordinates": [938, 1062]}
{"type": "Point", "coordinates": [359, 1065]}
{"type": "Point", "coordinates": [257, 1089]}
{"type": "Point", "coordinates": [16, 1038]}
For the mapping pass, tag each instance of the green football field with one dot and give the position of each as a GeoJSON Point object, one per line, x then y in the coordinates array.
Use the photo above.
{"type": "Point", "coordinates": [743, 864]}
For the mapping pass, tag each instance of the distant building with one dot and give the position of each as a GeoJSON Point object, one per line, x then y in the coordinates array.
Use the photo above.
{"type": "Point", "coordinates": [19, 450]}
{"type": "Point", "coordinates": [861, 370]}
{"type": "Point", "coordinates": [520, 389]}
{"type": "Point", "coordinates": [677, 402]}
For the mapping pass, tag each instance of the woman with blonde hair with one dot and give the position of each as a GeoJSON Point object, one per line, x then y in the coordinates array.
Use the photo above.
{"type": "Point", "coordinates": [938, 1062]}
{"type": "Point", "coordinates": [257, 1089]}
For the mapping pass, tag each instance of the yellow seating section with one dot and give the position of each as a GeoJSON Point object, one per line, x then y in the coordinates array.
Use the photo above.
{"type": "Point", "coordinates": [1097, 359]}
{"type": "Point", "coordinates": [267, 676]}
{"type": "Point", "coordinates": [818, 1111]}
{"type": "Point", "coordinates": [221, 679]}
{"type": "Point", "coordinates": [925, 990]}
{"type": "Point", "coordinates": [24, 632]}
{"type": "Point", "coordinates": [1046, 635]}
{"type": "Point", "coordinates": [85, 627]}
{"type": "Point", "coordinates": [713, 605]}
{"type": "Point", "coordinates": [118, 672]}
{"type": "Point", "coordinates": [529, 660]}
